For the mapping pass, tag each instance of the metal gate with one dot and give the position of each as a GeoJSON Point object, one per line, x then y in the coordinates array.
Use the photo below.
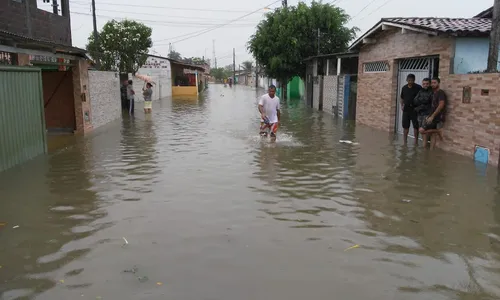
{"type": "Point", "coordinates": [22, 120]}
{"type": "Point", "coordinates": [421, 68]}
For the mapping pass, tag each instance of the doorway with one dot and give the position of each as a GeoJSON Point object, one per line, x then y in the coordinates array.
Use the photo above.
{"type": "Point", "coordinates": [424, 67]}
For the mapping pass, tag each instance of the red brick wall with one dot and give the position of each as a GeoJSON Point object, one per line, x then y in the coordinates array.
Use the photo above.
{"type": "Point", "coordinates": [83, 113]}
{"type": "Point", "coordinates": [45, 25]}
{"type": "Point", "coordinates": [376, 100]}
{"type": "Point", "coordinates": [60, 110]}
{"type": "Point", "coordinates": [474, 123]}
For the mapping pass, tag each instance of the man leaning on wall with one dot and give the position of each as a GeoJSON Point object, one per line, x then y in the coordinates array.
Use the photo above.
{"type": "Point", "coordinates": [435, 122]}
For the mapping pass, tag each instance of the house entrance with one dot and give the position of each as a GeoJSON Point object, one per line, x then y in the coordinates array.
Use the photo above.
{"type": "Point", "coordinates": [425, 67]}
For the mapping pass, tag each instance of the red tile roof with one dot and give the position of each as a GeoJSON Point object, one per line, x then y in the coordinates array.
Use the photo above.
{"type": "Point", "coordinates": [454, 26]}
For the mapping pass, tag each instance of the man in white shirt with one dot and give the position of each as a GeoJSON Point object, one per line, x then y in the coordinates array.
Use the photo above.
{"type": "Point", "coordinates": [269, 108]}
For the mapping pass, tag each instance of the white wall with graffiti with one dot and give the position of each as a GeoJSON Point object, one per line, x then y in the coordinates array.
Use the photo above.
{"type": "Point", "coordinates": [158, 68]}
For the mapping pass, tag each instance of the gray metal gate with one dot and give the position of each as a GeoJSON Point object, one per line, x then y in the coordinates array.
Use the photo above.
{"type": "Point", "coordinates": [421, 68]}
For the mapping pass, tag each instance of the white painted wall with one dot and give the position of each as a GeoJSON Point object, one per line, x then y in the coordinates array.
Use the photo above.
{"type": "Point", "coordinates": [159, 70]}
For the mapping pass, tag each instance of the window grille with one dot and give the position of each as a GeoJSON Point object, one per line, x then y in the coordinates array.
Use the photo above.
{"type": "Point", "coordinates": [6, 58]}
{"type": "Point", "coordinates": [414, 64]}
{"type": "Point", "coordinates": [376, 67]}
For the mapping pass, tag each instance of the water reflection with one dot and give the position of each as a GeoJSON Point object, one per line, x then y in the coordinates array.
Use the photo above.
{"type": "Point", "coordinates": [52, 203]}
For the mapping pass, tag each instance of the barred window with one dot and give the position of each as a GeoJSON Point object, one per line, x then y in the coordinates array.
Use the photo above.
{"type": "Point", "coordinates": [6, 58]}
{"type": "Point", "coordinates": [376, 67]}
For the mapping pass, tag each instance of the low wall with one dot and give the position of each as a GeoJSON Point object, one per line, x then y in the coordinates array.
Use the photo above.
{"type": "Point", "coordinates": [476, 122]}
{"type": "Point", "coordinates": [184, 91]}
{"type": "Point", "coordinates": [330, 91]}
{"type": "Point", "coordinates": [105, 102]}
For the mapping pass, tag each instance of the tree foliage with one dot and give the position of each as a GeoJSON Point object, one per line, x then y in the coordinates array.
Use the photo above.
{"type": "Point", "coordinates": [247, 65]}
{"type": "Point", "coordinates": [174, 55]}
{"type": "Point", "coordinates": [122, 46]}
{"type": "Point", "coordinates": [220, 73]}
{"type": "Point", "coordinates": [289, 35]}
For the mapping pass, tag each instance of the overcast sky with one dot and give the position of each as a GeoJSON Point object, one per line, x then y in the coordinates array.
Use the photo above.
{"type": "Point", "coordinates": [173, 21]}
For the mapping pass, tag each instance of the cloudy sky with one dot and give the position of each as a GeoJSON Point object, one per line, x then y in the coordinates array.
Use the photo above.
{"type": "Point", "coordinates": [192, 25]}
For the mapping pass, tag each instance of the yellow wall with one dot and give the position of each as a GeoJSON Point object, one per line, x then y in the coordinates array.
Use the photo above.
{"type": "Point", "coordinates": [184, 91]}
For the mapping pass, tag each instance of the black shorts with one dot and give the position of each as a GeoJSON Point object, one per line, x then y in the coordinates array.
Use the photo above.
{"type": "Point", "coordinates": [410, 116]}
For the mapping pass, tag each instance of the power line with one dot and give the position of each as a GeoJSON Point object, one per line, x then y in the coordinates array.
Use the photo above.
{"type": "Point", "coordinates": [366, 6]}
{"type": "Point", "coordinates": [377, 9]}
{"type": "Point", "coordinates": [219, 26]}
{"type": "Point", "coordinates": [165, 16]}
{"type": "Point", "coordinates": [169, 7]}
{"type": "Point", "coordinates": [165, 23]}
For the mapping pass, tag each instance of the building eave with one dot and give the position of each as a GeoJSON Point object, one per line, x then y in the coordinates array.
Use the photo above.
{"type": "Point", "coordinates": [383, 24]}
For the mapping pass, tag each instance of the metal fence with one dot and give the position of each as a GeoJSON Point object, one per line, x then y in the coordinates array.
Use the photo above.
{"type": "Point", "coordinates": [22, 120]}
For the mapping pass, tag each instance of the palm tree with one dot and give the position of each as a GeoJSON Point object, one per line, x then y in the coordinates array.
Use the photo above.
{"type": "Point", "coordinates": [247, 66]}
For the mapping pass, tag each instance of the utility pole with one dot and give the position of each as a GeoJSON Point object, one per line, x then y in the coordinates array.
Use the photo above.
{"type": "Point", "coordinates": [494, 38]}
{"type": "Point", "coordinates": [319, 32]}
{"type": "Point", "coordinates": [213, 54]}
{"type": "Point", "coordinates": [234, 64]}
{"type": "Point", "coordinates": [96, 36]}
{"type": "Point", "coordinates": [55, 7]}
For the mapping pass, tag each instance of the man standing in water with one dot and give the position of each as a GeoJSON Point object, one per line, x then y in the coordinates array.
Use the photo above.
{"type": "Point", "coordinates": [269, 108]}
{"type": "Point", "coordinates": [131, 96]}
{"type": "Point", "coordinates": [435, 122]}
{"type": "Point", "coordinates": [408, 93]}
{"type": "Point", "coordinates": [423, 107]}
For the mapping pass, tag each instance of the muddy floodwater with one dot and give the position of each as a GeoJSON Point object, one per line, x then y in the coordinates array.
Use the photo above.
{"type": "Point", "coordinates": [188, 203]}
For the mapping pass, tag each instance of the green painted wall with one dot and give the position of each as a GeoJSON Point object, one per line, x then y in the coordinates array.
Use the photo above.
{"type": "Point", "coordinates": [22, 120]}
{"type": "Point", "coordinates": [295, 88]}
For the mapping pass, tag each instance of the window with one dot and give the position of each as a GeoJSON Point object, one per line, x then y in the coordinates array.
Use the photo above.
{"type": "Point", "coordinates": [376, 67]}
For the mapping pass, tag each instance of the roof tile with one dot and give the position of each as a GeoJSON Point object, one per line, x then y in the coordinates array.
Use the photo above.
{"type": "Point", "coordinates": [447, 25]}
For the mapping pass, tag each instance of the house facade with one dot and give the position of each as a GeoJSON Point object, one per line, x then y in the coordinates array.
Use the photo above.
{"type": "Point", "coordinates": [160, 70]}
{"type": "Point", "coordinates": [455, 50]}
{"type": "Point", "coordinates": [48, 80]}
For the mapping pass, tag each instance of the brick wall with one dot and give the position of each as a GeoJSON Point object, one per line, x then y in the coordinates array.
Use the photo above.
{"type": "Point", "coordinates": [58, 98]}
{"type": "Point", "coordinates": [83, 113]}
{"type": "Point", "coordinates": [376, 100]}
{"type": "Point", "coordinates": [474, 123]}
{"type": "Point", "coordinates": [44, 25]}
{"type": "Point", "coordinates": [105, 102]}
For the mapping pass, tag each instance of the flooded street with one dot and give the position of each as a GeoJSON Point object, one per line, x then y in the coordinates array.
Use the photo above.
{"type": "Point", "coordinates": [190, 203]}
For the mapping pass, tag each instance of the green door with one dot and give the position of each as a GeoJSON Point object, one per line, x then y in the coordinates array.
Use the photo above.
{"type": "Point", "coordinates": [22, 120]}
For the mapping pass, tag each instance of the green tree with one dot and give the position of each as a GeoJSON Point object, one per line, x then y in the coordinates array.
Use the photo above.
{"type": "Point", "coordinates": [174, 55]}
{"type": "Point", "coordinates": [219, 73]}
{"type": "Point", "coordinates": [289, 35]}
{"type": "Point", "coordinates": [122, 46]}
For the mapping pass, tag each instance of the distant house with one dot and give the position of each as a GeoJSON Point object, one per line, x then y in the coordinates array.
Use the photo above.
{"type": "Point", "coordinates": [451, 48]}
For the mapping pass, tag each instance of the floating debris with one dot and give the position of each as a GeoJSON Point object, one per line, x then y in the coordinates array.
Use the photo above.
{"type": "Point", "coordinates": [126, 242]}
{"type": "Point", "coordinates": [142, 278]}
{"type": "Point", "coordinates": [406, 201]}
{"type": "Point", "coordinates": [348, 142]}
{"type": "Point", "coordinates": [61, 281]}
{"type": "Point", "coordinates": [159, 283]}
{"type": "Point", "coordinates": [17, 226]}
{"type": "Point", "coordinates": [133, 270]}
{"type": "Point", "coordinates": [353, 247]}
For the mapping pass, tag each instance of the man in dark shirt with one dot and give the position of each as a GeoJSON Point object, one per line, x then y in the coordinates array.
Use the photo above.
{"type": "Point", "coordinates": [435, 122]}
{"type": "Point", "coordinates": [423, 107]}
{"type": "Point", "coordinates": [408, 93]}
